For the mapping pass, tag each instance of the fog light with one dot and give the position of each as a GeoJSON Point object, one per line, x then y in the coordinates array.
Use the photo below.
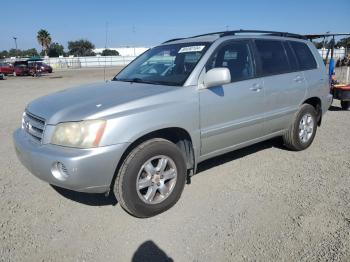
{"type": "Point", "coordinates": [59, 171]}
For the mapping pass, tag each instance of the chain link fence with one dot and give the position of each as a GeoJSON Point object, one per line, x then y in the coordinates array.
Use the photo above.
{"type": "Point", "coordinates": [88, 61]}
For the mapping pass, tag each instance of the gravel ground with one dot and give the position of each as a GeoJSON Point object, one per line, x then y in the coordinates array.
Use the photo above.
{"type": "Point", "coordinates": [259, 203]}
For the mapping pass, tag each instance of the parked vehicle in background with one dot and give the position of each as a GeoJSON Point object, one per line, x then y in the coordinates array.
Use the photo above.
{"type": "Point", "coordinates": [20, 68]}
{"type": "Point", "coordinates": [6, 68]}
{"type": "Point", "coordinates": [31, 67]}
{"type": "Point", "coordinates": [40, 65]}
{"type": "Point", "coordinates": [142, 135]}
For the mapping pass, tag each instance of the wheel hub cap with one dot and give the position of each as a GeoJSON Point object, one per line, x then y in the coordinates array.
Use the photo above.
{"type": "Point", "coordinates": [306, 128]}
{"type": "Point", "coordinates": [156, 179]}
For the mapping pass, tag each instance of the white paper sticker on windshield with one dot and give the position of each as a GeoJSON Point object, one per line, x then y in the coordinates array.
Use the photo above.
{"type": "Point", "coordinates": [195, 48]}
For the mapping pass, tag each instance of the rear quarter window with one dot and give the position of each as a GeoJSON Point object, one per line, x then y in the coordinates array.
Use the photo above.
{"type": "Point", "coordinates": [272, 56]}
{"type": "Point", "coordinates": [291, 57]}
{"type": "Point", "coordinates": [305, 58]}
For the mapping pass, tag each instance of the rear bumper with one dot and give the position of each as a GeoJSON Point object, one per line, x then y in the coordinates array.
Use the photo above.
{"type": "Point", "coordinates": [87, 170]}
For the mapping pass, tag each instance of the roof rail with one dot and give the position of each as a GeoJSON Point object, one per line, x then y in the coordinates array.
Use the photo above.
{"type": "Point", "coordinates": [234, 32]}
{"type": "Point", "coordinates": [174, 39]}
{"type": "Point", "coordinates": [275, 33]}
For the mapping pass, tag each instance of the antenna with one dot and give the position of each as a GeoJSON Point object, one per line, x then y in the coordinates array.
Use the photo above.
{"type": "Point", "coordinates": [134, 31]}
{"type": "Point", "coordinates": [104, 68]}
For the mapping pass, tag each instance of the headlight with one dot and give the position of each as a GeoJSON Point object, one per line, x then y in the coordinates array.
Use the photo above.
{"type": "Point", "coordinates": [83, 134]}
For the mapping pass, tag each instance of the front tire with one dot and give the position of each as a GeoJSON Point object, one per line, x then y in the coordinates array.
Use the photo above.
{"type": "Point", "coordinates": [302, 132]}
{"type": "Point", "coordinates": [345, 105]}
{"type": "Point", "coordinates": [151, 178]}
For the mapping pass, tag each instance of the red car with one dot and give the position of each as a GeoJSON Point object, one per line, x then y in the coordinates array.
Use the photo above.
{"type": "Point", "coordinates": [21, 68]}
{"type": "Point", "coordinates": [6, 68]}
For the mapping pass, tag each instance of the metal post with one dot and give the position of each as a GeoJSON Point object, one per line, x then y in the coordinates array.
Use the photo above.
{"type": "Point", "coordinates": [15, 38]}
{"type": "Point", "coordinates": [331, 62]}
{"type": "Point", "coordinates": [332, 50]}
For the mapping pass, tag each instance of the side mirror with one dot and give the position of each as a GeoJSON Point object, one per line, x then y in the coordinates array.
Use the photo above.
{"type": "Point", "coordinates": [217, 77]}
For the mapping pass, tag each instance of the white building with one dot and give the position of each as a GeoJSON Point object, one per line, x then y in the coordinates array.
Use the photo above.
{"type": "Point", "coordinates": [124, 51]}
{"type": "Point", "coordinates": [339, 53]}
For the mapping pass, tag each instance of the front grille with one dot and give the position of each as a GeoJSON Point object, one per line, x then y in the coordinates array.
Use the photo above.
{"type": "Point", "coordinates": [33, 125]}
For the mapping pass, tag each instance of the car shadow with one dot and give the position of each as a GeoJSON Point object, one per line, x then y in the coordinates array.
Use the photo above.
{"type": "Point", "coordinates": [335, 108]}
{"type": "Point", "coordinates": [150, 252]}
{"type": "Point", "coordinates": [90, 199]}
{"type": "Point", "coordinates": [237, 154]}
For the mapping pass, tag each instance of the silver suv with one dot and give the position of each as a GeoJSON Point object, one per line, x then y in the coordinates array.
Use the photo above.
{"type": "Point", "coordinates": [142, 135]}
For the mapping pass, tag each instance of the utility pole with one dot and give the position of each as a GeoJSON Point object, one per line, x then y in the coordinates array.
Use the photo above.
{"type": "Point", "coordinates": [15, 38]}
{"type": "Point", "coordinates": [134, 31]}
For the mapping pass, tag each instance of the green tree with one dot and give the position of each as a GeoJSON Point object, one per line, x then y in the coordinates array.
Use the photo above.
{"type": "Point", "coordinates": [44, 39]}
{"type": "Point", "coordinates": [55, 50]}
{"type": "Point", "coordinates": [19, 53]}
{"type": "Point", "coordinates": [318, 45]}
{"type": "Point", "coordinates": [81, 47]}
{"type": "Point", "coordinates": [14, 52]}
{"type": "Point", "coordinates": [109, 52]}
{"type": "Point", "coordinates": [344, 42]}
{"type": "Point", "coordinates": [29, 52]}
{"type": "Point", "coordinates": [4, 54]}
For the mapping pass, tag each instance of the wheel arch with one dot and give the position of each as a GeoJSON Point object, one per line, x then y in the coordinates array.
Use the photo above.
{"type": "Point", "coordinates": [317, 104]}
{"type": "Point", "coordinates": [179, 136]}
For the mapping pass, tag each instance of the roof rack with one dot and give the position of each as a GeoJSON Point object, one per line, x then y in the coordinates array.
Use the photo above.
{"type": "Point", "coordinates": [227, 33]}
{"type": "Point", "coordinates": [275, 33]}
{"type": "Point", "coordinates": [314, 36]}
{"type": "Point", "coordinates": [174, 39]}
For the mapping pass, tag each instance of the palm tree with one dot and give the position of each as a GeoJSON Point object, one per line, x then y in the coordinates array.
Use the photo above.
{"type": "Point", "coordinates": [44, 39]}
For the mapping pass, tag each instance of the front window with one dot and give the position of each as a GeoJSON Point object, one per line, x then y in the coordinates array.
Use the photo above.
{"type": "Point", "coordinates": [164, 65]}
{"type": "Point", "coordinates": [236, 57]}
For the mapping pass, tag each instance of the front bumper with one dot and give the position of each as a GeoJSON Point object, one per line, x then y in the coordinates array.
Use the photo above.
{"type": "Point", "coordinates": [88, 170]}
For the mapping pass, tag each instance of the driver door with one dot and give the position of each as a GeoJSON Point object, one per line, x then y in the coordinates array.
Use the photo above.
{"type": "Point", "coordinates": [232, 114]}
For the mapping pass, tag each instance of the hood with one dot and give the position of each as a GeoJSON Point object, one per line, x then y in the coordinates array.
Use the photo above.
{"type": "Point", "coordinates": [80, 103]}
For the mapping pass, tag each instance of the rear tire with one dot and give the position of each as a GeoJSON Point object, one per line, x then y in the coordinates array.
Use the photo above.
{"type": "Point", "coordinates": [345, 105]}
{"type": "Point", "coordinates": [302, 132]}
{"type": "Point", "coordinates": [151, 178]}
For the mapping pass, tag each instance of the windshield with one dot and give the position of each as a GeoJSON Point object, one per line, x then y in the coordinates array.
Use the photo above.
{"type": "Point", "coordinates": [164, 65]}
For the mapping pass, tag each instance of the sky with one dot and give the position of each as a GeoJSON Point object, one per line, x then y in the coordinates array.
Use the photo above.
{"type": "Point", "coordinates": [148, 23]}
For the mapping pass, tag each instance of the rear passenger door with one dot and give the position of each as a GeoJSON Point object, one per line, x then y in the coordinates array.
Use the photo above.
{"type": "Point", "coordinates": [316, 76]}
{"type": "Point", "coordinates": [285, 86]}
{"type": "Point", "coordinates": [233, 113]}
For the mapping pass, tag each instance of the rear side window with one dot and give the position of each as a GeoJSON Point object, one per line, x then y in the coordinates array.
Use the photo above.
{"type": "Point", "coordinates": [291, 57]}
{"type": "Point", "coordinates": [273, 57]}
{"type": "Point", "coordinates": [304, 56]}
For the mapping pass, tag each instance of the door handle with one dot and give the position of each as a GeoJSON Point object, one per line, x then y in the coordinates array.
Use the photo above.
{"type": "Point", "coordinates": [256, 88]}
{"type": "Point", "coordinates": [299, 79]}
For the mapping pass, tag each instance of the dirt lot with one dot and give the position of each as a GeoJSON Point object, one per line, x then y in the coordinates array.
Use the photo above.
{"type": "Point", "coordinates": [260, 203]}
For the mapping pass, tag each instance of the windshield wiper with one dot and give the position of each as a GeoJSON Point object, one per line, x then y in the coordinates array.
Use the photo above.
{"type": "Point", "coordinates": [139, 80]}
{"type": "Point", "coordinates": [136, 80]}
